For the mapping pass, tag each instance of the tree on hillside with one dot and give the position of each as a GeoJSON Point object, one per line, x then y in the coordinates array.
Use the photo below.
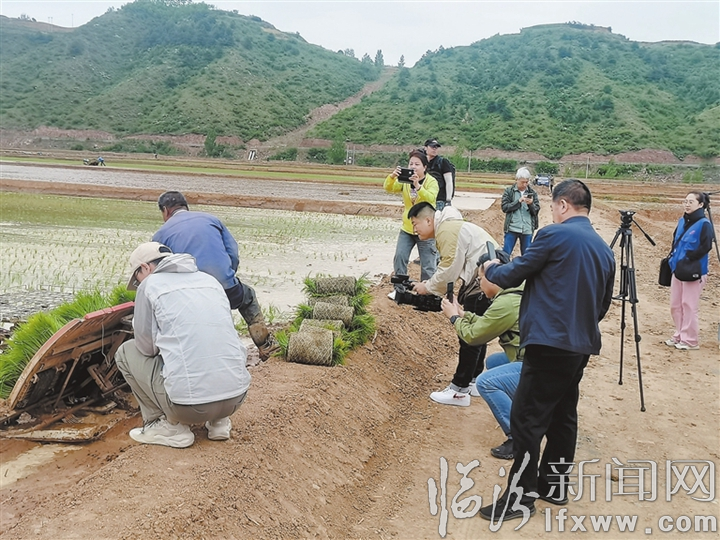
{"type": "Point", "coordinates": [212, 149]}
{"type": "Point", "coordinates": [349, 52]}
{"type": "Point", "coordinates": [401, 63]}
{"type": "Point", "coordinates": [379, 60]}
{"type": "Point", "coordinates": [336, 155]}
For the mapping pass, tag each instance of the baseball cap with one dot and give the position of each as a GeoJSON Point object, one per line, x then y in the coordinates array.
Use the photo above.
{"type": "Point", "coordinates": [432, 142]}
{"type": "Point", "coordinates": [145, 253]}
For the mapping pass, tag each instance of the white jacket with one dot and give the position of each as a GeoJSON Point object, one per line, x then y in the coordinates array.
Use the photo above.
{"type": "Point", "coordinates": [460, 244]}
{"type": "Point", "coordinates": [184, 315]}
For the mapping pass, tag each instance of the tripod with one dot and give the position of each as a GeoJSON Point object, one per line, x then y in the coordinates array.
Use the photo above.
{"type": "Point", "coordinates": [628, 289]}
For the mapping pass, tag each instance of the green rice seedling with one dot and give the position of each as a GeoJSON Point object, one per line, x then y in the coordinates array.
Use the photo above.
{"type": "Point", "coordinates": [341, 348]}
{"type": "Point", "coordinates": [310, 285]}
{"type": "Point", "coordinates": [303, 311]}
{"type": "Point", "coordinates": [120, 295]}
{"type": "Point", "coordinates": [361, 330]}
{"type": "Point", "coordinates": [283, 339]}
{"type": "Point", "coordinates": [22, 345]}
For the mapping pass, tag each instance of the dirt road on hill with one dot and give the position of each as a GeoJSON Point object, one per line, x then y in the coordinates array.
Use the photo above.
{"type": "Point", "coordinates": [347, 452]}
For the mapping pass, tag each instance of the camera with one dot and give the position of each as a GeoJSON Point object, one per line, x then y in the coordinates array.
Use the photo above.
{"type": "Point", "coordinates": [405, 175]}
{"type": "Point", "coordinates": [421, 302]}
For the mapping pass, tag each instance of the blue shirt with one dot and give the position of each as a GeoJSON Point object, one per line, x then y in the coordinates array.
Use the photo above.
{"type": "Point", "coordinates": [204, 237]}
{"type": "Point", "coordinates": [569, 272]}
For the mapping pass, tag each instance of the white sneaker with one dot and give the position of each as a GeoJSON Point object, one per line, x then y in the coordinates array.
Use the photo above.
{"type": "Point", "coordinates": [391, 295]}
{"type": "Point", "coordinates": [685, 347]}
{"type": "Point", "coordinates": [473, 390]}
{"type": "Point", "coordinates": [670, 342]}
{"type": "Point", "coordinates": [162, 432]}
{"type": "Point", "coordinates": [451, 397]}
{"type": "Point", "coordinates": [219, 430]}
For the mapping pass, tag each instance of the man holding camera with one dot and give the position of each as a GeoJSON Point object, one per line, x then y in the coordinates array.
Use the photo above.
{"type": "Point", "coordinates": [569, 273]}
{"type": "Point", "coordinates": [497, 384]}
{"type": "Point", "coordinates": [460, 244]}
{"type": "Point", "coordinates": [443, 171]}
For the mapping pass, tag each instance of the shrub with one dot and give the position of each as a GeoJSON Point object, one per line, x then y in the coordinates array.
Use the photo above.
{"type": "Point", "coordinates": [289, 154]}
{"type": "Point", "coordinates": [545, 167]}
{"type": "Point", "coordinates": [317, 155]}
{"type": "Point", "coordinates": [693, 177]}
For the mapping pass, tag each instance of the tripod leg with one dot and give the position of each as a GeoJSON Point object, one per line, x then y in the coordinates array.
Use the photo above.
{"type": "Point", "coordinates": [622, 338]}
{"type": "Point", "coordinates": [633, 303]}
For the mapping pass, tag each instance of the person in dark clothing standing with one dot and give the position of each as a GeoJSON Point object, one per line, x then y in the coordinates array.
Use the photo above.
{"type": "Point", "coordinates": [443, 171]}
{"type": "Point", "coordinates": [569, 273]}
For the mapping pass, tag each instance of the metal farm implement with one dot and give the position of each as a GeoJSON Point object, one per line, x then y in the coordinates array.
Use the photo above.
{"type": "Point", "coordinates": [74, 372]}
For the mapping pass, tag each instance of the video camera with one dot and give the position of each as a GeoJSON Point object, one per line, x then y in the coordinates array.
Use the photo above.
{"type": "Point", "coordinates": [421, 302]}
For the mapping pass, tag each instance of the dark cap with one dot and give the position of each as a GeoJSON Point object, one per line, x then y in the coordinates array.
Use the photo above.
{"type": "Point", "coordinates": [171, 199]}
{"type": "Point", "coordinates": [432, 142]}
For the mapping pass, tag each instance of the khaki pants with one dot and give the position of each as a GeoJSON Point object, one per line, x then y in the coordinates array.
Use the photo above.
{"type": "Point", "coordinates": [144, 375]}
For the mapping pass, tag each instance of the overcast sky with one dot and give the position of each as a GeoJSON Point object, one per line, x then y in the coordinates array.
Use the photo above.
{"type": "Point", "coordinates": [411, 28]}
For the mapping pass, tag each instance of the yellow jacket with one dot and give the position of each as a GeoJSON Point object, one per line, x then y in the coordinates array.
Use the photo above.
{"type": "Point", "coordinates": [427, 193]}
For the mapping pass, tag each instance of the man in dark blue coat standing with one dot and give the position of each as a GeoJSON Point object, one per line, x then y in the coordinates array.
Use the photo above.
{"type": "Point", "coordinates": [569, 272]}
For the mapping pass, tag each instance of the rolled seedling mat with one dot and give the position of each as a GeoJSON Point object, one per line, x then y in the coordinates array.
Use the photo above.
{"type": "Point", "coordinates": [340, 300]}
{"type": "Point", "coordinates": [315, 347]}
{"type": "Point", "coordinates": [336, 285]}
{"type": "Point", "coordinates": [321, 310]}
{"type": "Point", "coordinates": [309, 325]}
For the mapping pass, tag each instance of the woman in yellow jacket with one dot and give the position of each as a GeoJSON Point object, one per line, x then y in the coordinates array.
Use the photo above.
{"type": "Point", "coordinates": [421, 187]}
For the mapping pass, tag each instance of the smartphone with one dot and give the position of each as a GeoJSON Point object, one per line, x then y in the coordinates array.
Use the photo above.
{"type": "Point", "coordinates": [449, 294]}
{"type": "Point", "coordinates": [405, 175]}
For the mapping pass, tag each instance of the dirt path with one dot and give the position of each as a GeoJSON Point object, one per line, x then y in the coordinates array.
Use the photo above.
{"type": "Point", "coordinates": [322, 113]}
{"type": "Point", "coordinates": [347, 452]}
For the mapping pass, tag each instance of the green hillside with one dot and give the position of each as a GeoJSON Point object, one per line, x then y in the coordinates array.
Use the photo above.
{"type": "Point", "coordinates": [159, 66]}
{"type": "Point", "coordinates": [553, 89]}
{"type": "Point", "coordinates": [171, 67]}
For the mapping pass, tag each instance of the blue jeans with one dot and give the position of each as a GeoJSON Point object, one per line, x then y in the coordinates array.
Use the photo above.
{"type": "Point", "coordinates": [426, 248]}
{"type": "Point", "coordinates": [497, 387]}
{"type": "Point", "coordinates": [496, 359]}
{"type": "Point", "coordinates": [512, 237]}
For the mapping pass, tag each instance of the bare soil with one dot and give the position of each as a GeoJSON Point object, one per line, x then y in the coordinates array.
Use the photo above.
{"type": "Point", "coordinates": [347, 452]}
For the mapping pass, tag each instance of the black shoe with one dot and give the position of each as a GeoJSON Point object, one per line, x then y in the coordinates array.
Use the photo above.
{"type": "Point", "coordinates": [553, 500]}
{"type": "Point", "coordinates": [504, 451]}
{"type": "Point", "coordinates": [501, 514]}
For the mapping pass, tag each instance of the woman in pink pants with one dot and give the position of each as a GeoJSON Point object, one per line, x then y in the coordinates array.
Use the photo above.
{"type": "Point", "coordinates": [692, 241]}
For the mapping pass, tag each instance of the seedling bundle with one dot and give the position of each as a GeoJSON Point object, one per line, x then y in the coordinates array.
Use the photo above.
{"type": "Point", "coordinates": [332, 322]}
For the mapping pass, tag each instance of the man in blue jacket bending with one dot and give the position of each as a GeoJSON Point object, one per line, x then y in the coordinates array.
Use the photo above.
{"type": "Point", "coordinates": [569, 273]}
{"type": "Point", "coordinates": [206, 238]}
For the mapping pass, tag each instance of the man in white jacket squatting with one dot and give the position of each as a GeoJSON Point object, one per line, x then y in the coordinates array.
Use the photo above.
{"type": "Point", "coordinates": [460, 244]}
{"type": "Point", "coordinates": [186, 364]}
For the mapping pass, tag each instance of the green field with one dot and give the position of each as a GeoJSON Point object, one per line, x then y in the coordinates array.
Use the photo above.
{"type": "Point", "coordinates": [71, 243]}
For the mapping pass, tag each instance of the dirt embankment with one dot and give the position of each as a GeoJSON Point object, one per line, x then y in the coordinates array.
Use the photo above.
{"type": "Point", "coordinates": [347, 452]}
